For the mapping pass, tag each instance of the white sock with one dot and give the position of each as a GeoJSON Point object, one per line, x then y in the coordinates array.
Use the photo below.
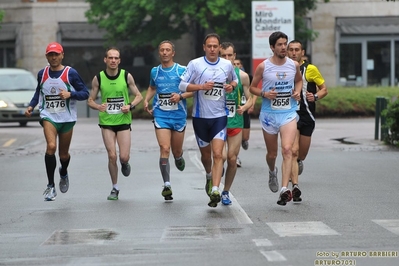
{"type": "Point", "coordinates": [283, 188]}
{"type": "Point", "coordinates": [208, 175]}
{"type": "Point", "coordinates": [116, 186]}
{"type": "Point", "coordinates": [215, 188]}
{"type": "Point", "coordinates": [167, 184]}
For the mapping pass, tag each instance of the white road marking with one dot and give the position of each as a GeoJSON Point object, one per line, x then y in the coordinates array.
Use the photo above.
{"type": "Point", "coordinates": [391, 225]}
{"type": "Point", "coordinates": [9, 142]}
{"type": "Point", "coordinates": [312, 228]}
{"type": "Point", "coordinates": [238, 212]}
{"type": "Point", "coordinates": [262, 242]}
{"type": "Point", "coordinates": [273, 255]}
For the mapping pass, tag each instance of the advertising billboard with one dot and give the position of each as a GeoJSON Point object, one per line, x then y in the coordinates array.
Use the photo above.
{"type": "Point", "coordinates": [268, 17]}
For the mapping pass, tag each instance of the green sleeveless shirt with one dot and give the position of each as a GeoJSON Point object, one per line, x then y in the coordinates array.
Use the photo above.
{"type": "Point", "coordinates": [114, 92]}
{"type": "Point", "coordinates": [233, 99]}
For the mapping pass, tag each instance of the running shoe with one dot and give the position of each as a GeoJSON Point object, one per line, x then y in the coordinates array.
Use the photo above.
{"type": "Point", "coordinates": [180, 164]}
{"type": "Point", "coordinates": [300, 167]}
{"type": "Point", "coordinates": [285, 196]}
{"type": "Point", "coordinates": [126, 169]}
{"type": "Point", "coordinates": [226, 198]}
{"type": "Point", "coordinates": [273, 182]}
{"type": "Point", "coordinates": [238, 162]}
{"type": "Point", "coordinates": [208, 186]}
{"type": "Point", "coordinates": [114, 194]}
{"type": "Point", "coordinates": [245, 144]}
{"type": "Point", "coordinates": [214, 199]}
{"type": "Point", "coordinates": [167, 193]}
{"type": "Point", "coordinates": [296, 194]}
{"type": "Point", "coordinates": [50, 193]}
{"type": "Point", "coordinates": [64, 182]}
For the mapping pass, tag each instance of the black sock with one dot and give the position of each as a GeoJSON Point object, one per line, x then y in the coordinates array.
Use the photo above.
{"type": "Point", "coordinates": [50, 163]}
{"type": "Point", "coordinates": [64, 166]}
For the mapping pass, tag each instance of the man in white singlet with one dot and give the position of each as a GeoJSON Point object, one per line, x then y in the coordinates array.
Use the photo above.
{"type": "Point", "coordinates": [281, 88]}
{"type": "Point", "coordinates": [59, 88]}
{"type": "Point", "coordinates": [209, 77]}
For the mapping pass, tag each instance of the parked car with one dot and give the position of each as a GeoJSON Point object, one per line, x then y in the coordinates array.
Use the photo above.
{"type": "Point", "coordinates": [17, 87]}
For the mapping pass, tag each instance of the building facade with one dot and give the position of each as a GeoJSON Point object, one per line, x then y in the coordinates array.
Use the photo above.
{"type": "Point", "coordinates": [358, 42]}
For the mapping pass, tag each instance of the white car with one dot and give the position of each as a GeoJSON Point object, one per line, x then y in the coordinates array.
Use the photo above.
{"type": "Point", "coordinates": [17, 87]}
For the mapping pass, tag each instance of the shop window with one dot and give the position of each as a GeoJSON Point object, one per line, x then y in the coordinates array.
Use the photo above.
{"type": "Point", "coordinates": [7, 56]}
{"type": "Point", "coordinates": [379, 63]}
{"type": "Point", "coordinates": [350, 64]}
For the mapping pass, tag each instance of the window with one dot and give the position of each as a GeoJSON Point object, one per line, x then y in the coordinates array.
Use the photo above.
{"type": "Point", "coordinates": [379, 56]}
{"type": "Point", "coordinates": [350, 64]}
{"type": "Point", "coordinates": [7, 55]}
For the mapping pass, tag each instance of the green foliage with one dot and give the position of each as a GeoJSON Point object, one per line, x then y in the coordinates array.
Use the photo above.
{"type": "Point", "coordinates": [348, 101]}
{"type": "Point", "coordinates": [151, 21]}
{"type": "Point", "coordinates": [358, 101]}
{"type": "Point", "coordinates": [391, 115]}
{"type": "Point", "coordinates": [145, 22]}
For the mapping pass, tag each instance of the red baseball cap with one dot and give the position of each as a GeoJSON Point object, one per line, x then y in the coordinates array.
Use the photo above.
{"type": "Point", "coordinates": [54, 47]}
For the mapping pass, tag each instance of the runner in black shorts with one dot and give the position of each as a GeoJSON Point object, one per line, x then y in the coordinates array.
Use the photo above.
{"type": "Point", "coordinates": [313, 89]}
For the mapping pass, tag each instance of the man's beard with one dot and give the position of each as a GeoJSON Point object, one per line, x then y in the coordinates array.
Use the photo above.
{"type": "Point", "coordinates": [280, 56]}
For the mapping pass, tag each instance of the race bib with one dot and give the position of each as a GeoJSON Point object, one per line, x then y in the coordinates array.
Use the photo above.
{"type": "Point", "coordinates": [282, 101]}
{"type": "Point", "coordinates": [164, 102]}
{"type": "Point", "coordinates": [215, 93]}
{"type": "Point", "coordinates": [114, 105]}
{"type": "Point", "coordinates": [231, 106]}
{"type": "Point", "coordinates": [54, 104]}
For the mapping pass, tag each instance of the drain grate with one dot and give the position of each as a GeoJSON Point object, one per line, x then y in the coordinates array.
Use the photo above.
{"type": "Point", "coordinates": [80, 236]}
{"type": "Point", "coordinates": [191, 232]}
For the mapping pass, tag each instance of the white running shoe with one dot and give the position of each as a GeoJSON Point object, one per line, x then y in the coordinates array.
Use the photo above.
{"type": "Point", "coordinates": [50, 194]}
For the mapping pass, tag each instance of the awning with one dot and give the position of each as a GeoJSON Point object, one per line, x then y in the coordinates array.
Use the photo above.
{"type": "Point", "coordinates": [9, 31]}
{"type": "Point", "coordinates": [80, 31]}
{"type": "Point", "coordinates": [368, 25]}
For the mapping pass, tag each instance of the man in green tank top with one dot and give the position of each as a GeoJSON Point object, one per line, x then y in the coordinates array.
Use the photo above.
{"type": "Point", "coordinates": [115, 113]}
{"type": "Point", "coordinates": [235, 120]}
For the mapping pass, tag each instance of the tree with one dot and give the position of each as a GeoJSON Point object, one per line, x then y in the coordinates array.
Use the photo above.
{"type": "Point", "coordinates": [151, 21]}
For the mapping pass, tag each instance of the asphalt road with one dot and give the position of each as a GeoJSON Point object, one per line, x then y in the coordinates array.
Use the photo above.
{"type": "Point", "coordinates": [349, 214]}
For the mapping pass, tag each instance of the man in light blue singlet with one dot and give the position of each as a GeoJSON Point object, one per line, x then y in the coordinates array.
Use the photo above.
{"type": "Point", "coordinates": [281, 88]}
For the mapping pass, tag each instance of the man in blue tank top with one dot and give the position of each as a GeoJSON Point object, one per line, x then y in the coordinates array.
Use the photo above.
{"type": "Point", "coordinates": [281, 88]}
{"type": "Point", "coordinates": [169, 110]}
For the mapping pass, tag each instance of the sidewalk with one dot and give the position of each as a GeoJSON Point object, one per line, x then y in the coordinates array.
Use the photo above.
{"type": "Point", "coordinates": [347, 134]}
{"type": "Point", "coordinates": [337, 133]}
